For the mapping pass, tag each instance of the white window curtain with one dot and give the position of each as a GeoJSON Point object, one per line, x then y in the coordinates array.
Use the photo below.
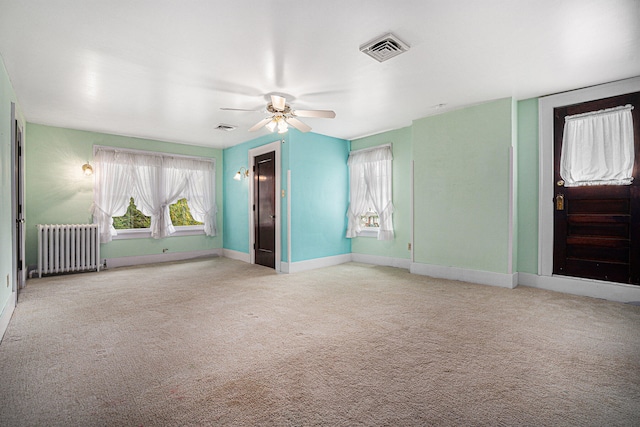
{"type": "Point", "coordinates": [113, 188]}
{"type": "Point", "coordinates": [201, 194]}
{"type": "Point", "coordinates": [370, 180]}
{"type": "Point", "coordinates": [598, 148]}
{"type": "Point", "coordinates": [155, 181]}
{"type": "Point", "coordinates": [159, 182]}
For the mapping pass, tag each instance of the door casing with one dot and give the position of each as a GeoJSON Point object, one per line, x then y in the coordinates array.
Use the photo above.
{"type": "Point", "coordinates": [546, 185]}
{"type": "Point", "coordinates": [17, 201]}
{"type": "Point", "coordinates": [273, 146]}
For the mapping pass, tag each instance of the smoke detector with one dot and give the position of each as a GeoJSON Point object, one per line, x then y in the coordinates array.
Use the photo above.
{"type": "Point", "coordinates": [225, 128]}
{"type": "Point", "coordinates": [385, 47]}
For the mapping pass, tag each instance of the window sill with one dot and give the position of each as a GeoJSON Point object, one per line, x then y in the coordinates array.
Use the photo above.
{"type": "Point", "coordinates": [145, 233]}
{"type": "Point", "coordinates": [368, 232]}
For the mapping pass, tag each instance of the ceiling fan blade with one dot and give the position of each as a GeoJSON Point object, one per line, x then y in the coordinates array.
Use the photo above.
{"type": "Point", "coordinates": [297, 124]}
{"type": "Point", "coordinates": [238, 109]}
{"type": "Point", "coordinates": [327, 114]}
{"type": "Point", "coordinates": [260, 124]}
{"type": "Point", "coordinates": [278, 102]}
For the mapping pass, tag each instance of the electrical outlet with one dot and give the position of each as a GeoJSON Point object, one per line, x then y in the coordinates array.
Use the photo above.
{"type": "Point", "coordinates": [408, 246]}
{"type": "Point", "coordinates": [165, 250]}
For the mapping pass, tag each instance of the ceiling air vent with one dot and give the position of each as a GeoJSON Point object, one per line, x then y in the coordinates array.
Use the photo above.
{"type": "Point", "coordinates": [385, 47]}
{"type": "Point", "coordinates": [225, 128]}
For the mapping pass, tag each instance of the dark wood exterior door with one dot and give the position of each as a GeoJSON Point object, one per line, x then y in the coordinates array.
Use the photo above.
{"type": "Point", "coordinates": [597, 228]}
{"type": "Point", "coordinates": [264, 207]}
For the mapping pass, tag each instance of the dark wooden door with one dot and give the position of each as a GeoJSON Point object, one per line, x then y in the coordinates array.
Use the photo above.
{"type": "Point", "coordinates": [19, 211]}
{"type": "Point", "coordinates": [597, 228]}
{"type": "Point", "coordinates": [264, 206]}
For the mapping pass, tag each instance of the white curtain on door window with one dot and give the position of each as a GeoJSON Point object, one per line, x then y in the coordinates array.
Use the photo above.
{"type": "Point", "coordinates": [371, 185]}
{"type": "Point", "coordinates": [113, 188]}
{"type": "Point", "coordinates": [200, 194]}
{"type": "Point", "coordinates": [598, 148]}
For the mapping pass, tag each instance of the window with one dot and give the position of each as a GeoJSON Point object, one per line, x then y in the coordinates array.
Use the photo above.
{"type": "Point", "coordinates": [370, 190]}
{"type": "Point", "coordinates": [597, 148]}
{"type": "Point", "coordinates": [150, 194]}
{"type": "Point", "coordinates": [134, 218]}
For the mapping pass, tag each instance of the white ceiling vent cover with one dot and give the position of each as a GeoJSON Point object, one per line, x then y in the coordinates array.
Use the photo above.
{"type": "Point", "coordinates": [385, 47]}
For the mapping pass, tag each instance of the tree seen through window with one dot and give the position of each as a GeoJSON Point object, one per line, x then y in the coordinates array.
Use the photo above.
{"type": "Point", "coordinates": [133, 218]}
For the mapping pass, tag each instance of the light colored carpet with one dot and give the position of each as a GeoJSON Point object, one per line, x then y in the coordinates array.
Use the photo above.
{"type": "Point", "coordinates": [220, 342]}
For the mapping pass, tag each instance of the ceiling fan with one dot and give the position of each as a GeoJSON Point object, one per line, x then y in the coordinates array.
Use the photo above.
{"type": "Point", "coordinates": [281, 115]}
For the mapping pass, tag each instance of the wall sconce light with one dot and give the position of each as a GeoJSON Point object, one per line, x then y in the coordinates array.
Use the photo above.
{"type": "Point", "coordinates": [242, 173]}
{"type": "Point", "coordinates": [87, 169]}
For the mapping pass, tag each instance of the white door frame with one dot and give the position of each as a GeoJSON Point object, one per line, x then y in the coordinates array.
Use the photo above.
{"type": "Point", "coordinates": [263, 149]}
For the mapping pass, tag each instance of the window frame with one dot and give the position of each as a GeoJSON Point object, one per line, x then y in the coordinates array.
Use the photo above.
{"type": "Point", "coordinates": [180, 230]}
{"type": "Point", "coordinates": [374, 231]}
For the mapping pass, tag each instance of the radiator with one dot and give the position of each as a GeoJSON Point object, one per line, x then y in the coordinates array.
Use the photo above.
{"type": "Point", "coordinates": [67, 248]}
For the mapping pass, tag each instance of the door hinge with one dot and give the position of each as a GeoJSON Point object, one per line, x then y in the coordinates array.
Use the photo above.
{"type": "Point", "coordinates": [254, 208]}
{"type": "Point", "coordinates": [254, 246]}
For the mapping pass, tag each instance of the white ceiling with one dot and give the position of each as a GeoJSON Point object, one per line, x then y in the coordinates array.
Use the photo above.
{"type": "Point", "coordinates": [161, 69]}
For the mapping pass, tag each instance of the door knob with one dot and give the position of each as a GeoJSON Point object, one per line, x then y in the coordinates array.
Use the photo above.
{"type": "Point", "coordinates": [560, 183]}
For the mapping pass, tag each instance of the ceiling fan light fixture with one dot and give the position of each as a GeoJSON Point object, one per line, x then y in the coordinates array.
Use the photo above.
{"type": "Point", "coordinates": [282, 125]}
{"type": "Point", "coordinates": [282, 116]}
{"type": "Point", "coordinates": [272, 125]}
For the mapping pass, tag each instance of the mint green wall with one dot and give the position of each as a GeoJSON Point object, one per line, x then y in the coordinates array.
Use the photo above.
{"type": "Point", "coordinates": [461, 180]}
{"type": "Point", "coordinates": [528, 186]}
{"type": "Point", "coordinates": [57, 192]}
{"type": "Point", "coordinates": [402, 152]}
{"type": "Point", "coordinates": [7, 96]}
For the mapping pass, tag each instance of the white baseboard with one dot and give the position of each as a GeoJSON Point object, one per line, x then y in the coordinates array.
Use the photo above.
{"type": "Point", "coordinates": [619, 292]}
{"type": "Point", "coordinates": [150, 259]}
{"type": "Point", "coordinates": [381, 260]}
{"type": "Point", "coordinates": [240, 256]}
{"type": "Point", "coordinates": [312, 264]}
{"type": "Point", "coordinates": [5, 317]}
{"type": "Point", "coordinates": [502, 280]}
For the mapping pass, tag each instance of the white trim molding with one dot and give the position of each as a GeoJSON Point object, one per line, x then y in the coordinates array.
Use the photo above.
{"type": "Point", "coordinates": [619, 292]}
{"type": "Point", "coordinates": [237, 255]}
{"type": "Point", "coordinates": [166, 257]}
{"type": "Point", "coordinates": [5, 317]}
{"type": "Point", "coordinates": [381, 260]}
{"type": "Point", "coordinates": [480, 277]}
{"type": "Point", "coordinates": [313, 264]}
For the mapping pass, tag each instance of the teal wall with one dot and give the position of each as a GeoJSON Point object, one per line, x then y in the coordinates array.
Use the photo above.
{"type": "Point", "coordinates": [7, 96]}
{"type": "Point", "coordinates": [402, 155]}
{"type": "Point", "coordinates": [57, 192]}
{"type": "Point", "coordinates": [461, 180]}
{"type": "Point", "coordinates": [528, 186]}
{"type": "Point", "coordinates": [236, 193]}
{"type": "Point", "coordinates": [319, 195]}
